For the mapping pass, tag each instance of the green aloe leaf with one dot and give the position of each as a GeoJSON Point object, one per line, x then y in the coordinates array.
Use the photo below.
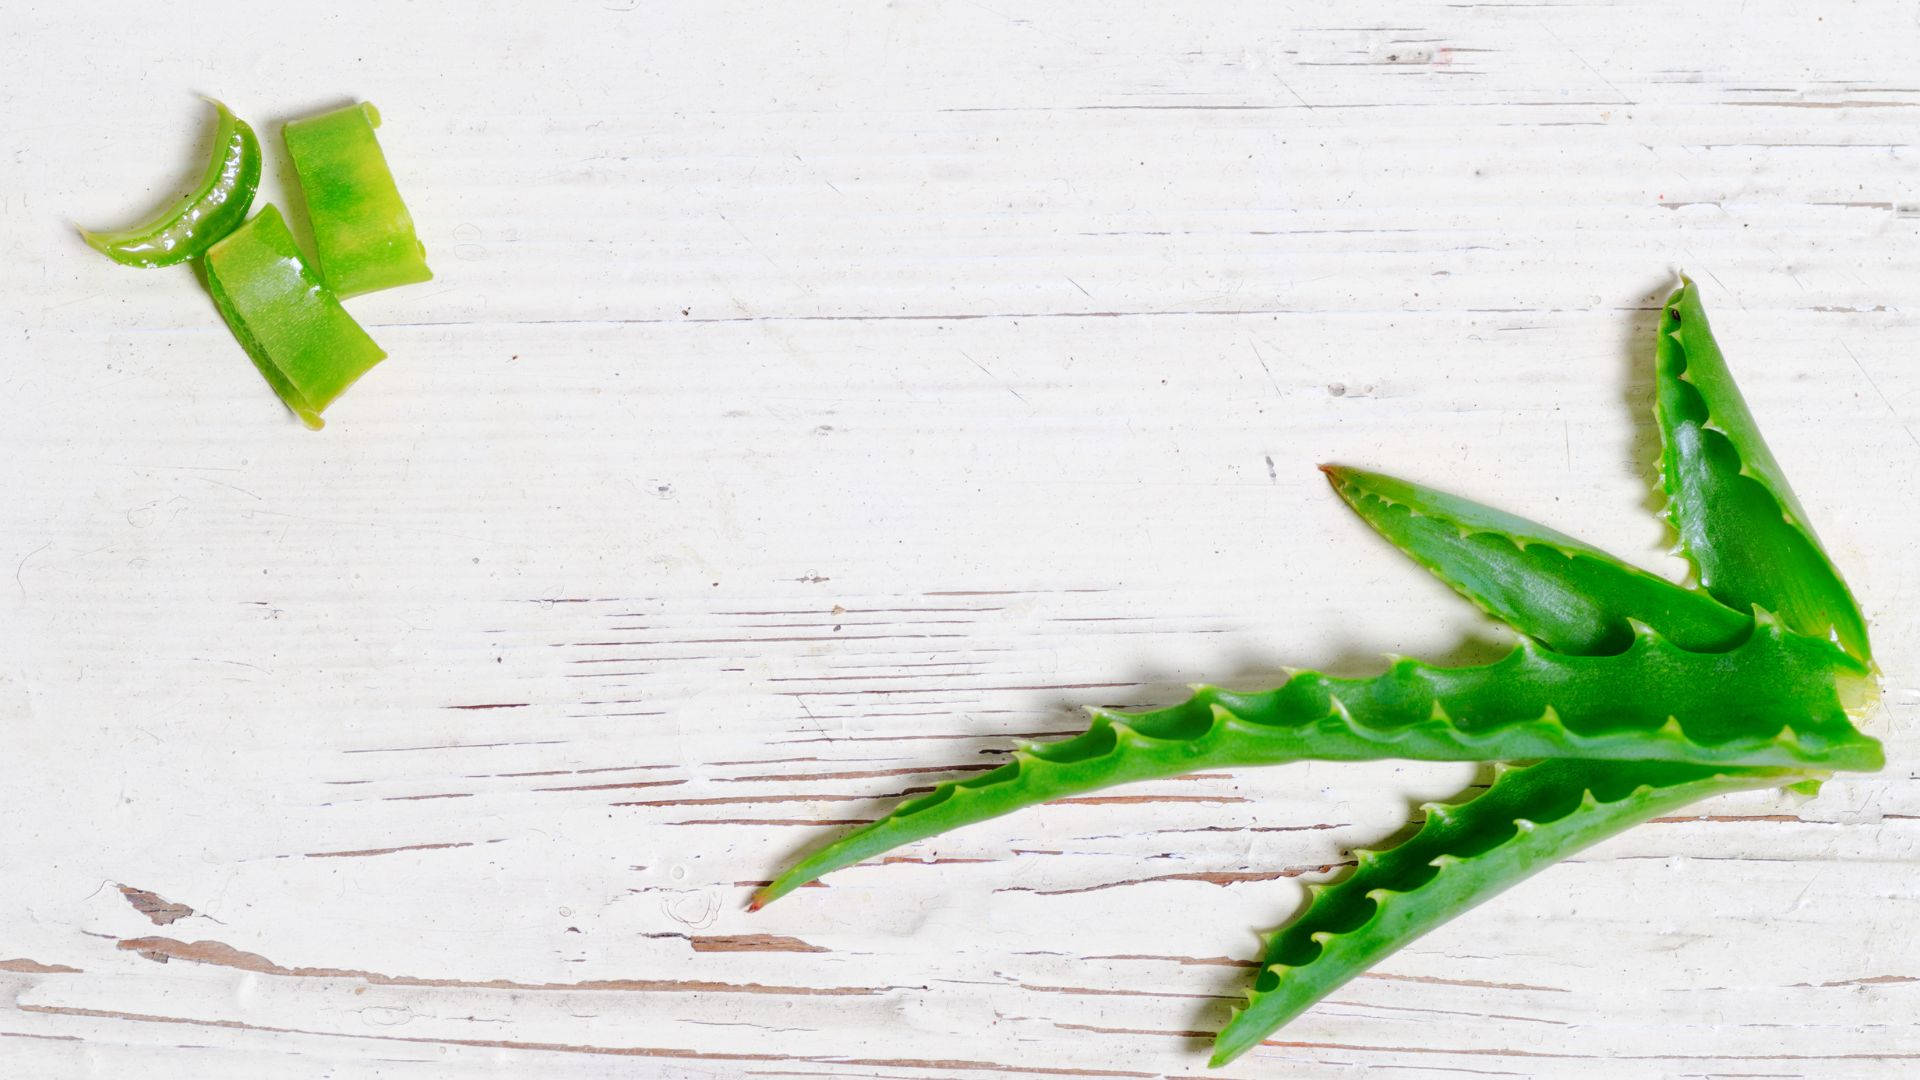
{"type": "Point", "coordinates": [1562, 592]}
{"type": "Point", "coordinates": [1644, 695]}
{"type": "Point", "coordinates": [1526, 820]}
{"type": "Point", "coordinates": [1566, 594]}
{"type": "Point", "coordinates": [1768, 701]}
{"type": "Point", "coordinates": [1737, 517]}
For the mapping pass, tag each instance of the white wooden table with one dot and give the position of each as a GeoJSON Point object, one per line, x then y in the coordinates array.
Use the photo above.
{"type": "Point", "coordinates": [811, 400]}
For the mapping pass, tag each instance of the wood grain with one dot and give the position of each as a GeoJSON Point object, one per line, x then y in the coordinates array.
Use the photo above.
{"type": "Point", "coordinates": [813, 401]}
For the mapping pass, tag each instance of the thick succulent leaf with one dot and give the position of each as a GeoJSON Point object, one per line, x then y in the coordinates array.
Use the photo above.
{"type": "Point", "coordinates": [1560, 591]}
{"type": "Point", "coordinates": [1737, 518]}
{"type": "Point", "coordinates": [1525, 821]}
{"type": "Point", "coordinates": [1569, 595]}
{"type": "Point", "coordinates": [1769, 701]}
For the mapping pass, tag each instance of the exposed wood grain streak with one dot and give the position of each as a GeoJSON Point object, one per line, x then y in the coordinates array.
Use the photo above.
{"type": "Point", "coordinates": [1204, 961]}
{"type": "Point", "coordinates": [1871, 980]}
{"type": "Point", "coordinates": [159, 911]}
{"type": "Point", "coordinates": [219, 954]}
{"type": "Point", "coordinates": [1348, 1003]}
{"type": "Point", "coordinates": [615, 787]}
{"type": "Point", "coordinates": [774, 821]}
{"type": "Point", "coordinates": [1216, 877]}
{"type": "Point", "coordinates": [364, 852]}
{"type": "Point", "coordinates": [34, 967]}
{"type": "Point", "coordinates": [969, 689]}
{"type": "Point", "coordinates": [966, 736]}
{"type": "Point", "coordinates": [959, 1064]}
{"type": "Point", "coordinates": [1188, 1034]}
{"type": "Point", "coordinates": [752, 943]}
{"type": "Point", "coordinates": [1108, 991]}
{"type": "Point", "coordinates": [862, 774]}
{"type": "Point", "coordinates": [1476, 983]}
{"type": "Point", "coordinates": [1509, 1052]}
{"type": "Point", "coordinates": [1126, 800]}
{"type": "Point", "coordinates": [452, 746]}
{"type": "Point", "coordinates": [749, 800]}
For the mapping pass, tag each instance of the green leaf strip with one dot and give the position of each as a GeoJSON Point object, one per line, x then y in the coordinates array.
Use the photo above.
{"type": "Point", "coordinates": [1737, 518]}
{"type": "Point", "coordinates": [1569, 595]}
{"type": "Point", "coordinates": [1525, 821]}
{"type": "Point", "coordinates": [1770, 701]}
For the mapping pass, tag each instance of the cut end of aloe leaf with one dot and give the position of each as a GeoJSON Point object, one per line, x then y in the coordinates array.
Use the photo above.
{"type": "Point", "coordinates": [95, 240]}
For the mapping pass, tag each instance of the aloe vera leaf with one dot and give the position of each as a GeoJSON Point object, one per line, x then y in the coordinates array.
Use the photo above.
{"type": "Point", "coordinates": [1581, 602]}
{"type": "Point", "coordinates": [1567, 594]}
{"type": "Point", "coordinates": [1557, 590]}
{"type": "Point", "coordinates": [1465, 853]}
{"type": "Point", "coordinates": [1769, 701]}
{"type": "Point", "coordinates": [1737, 518]}
{"type": "Point", "coordinates": [1564, 593]}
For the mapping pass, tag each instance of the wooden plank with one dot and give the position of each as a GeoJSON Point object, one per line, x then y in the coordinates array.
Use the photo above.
{"type": "Point", "coordinates": [810, 404]}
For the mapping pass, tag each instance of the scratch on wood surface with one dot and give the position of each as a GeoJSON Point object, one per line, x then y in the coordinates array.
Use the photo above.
{"type": "Point", "coordinates": [1429, 1010]}
{"type": "Point", "coordinates": [1221, 878]}
{"type": "Point", "coordinates": [1109, 991]}
{"type": "Point", "coordinates": [220, 954]}
{"type": "Point", "coordinates": [1098, 1030]}
{"type": "Point", "coordinates": [452, 746]}
{"type": "Point", "coordinates": [1476, 983]}
{"type": "Point", "coordinates": [1470, 1072]}
{"type": "Point", "coordinates": [749, 800]}
{"type": "Point", "coordinates": [38, 1035]}
{"type": "Point", "coordinates": [858, 774]}
{"type": "Point", "coordinates": [956, 1064]}
{"type": "Point", "coordinates": [627, 786]}
{"type": "Point", "coordinates": [1692, 819]}
{"type": "Point", "coordinates": [1871, 980]}
{"type": "Point", "coordinates": [1204, 961]}
{"type": "Point", "coordinates": [1123, 800]}
{"type": "Point", "coordinates": [1478, 1051]}
{"type": "Point", "coordinates": [1860, 104]}
{"type": "Point", "coordinates": [1464, 1051]}
{"type": "Point", "coordinates": [568, 772]}
{"type": "Point", "coordinates": [809, 822]}
{"type": "Point", "coordinates": [973, 736]}
{"type": "Point", "coordinates": [363, 852]}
